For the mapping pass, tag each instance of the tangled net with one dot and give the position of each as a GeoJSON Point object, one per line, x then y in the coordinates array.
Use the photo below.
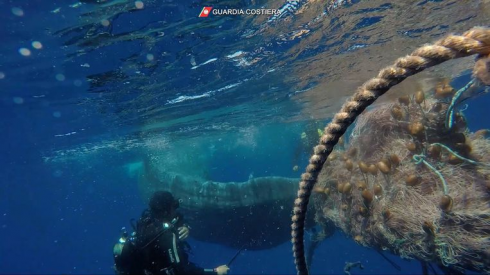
{"type": "Point", "coordinates": [418, 189]}
{"type": "Point", "coordinates": [421, 178]}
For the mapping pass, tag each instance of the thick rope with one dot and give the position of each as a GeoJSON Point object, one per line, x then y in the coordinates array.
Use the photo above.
{"type": "Point", "coordinates": [474, 41]}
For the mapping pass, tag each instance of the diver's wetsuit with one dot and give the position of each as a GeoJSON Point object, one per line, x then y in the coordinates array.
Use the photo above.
{"type": "Point", "coordinates": [157, 251]}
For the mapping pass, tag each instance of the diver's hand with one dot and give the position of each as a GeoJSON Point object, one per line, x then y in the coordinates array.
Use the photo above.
{"type": "Point", "coordinates": [183, 232]}
{"type": "Point", "coordinates": [222, 269]}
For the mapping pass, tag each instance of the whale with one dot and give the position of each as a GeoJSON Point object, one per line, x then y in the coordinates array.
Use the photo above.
{"type": "Point", "coordinates": [255, 214]}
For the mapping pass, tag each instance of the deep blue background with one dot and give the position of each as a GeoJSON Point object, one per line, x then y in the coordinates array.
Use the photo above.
{"type": "Point", "coordinates": [65, 219]}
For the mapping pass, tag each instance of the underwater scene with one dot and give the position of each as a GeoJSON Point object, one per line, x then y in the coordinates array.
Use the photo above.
{"type": "Point", "coordinates": [245, 137]}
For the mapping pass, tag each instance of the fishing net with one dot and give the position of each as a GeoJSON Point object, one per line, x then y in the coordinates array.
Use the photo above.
{"type": "Point", "coordinates": [406, 183]}
{"type": "Point", "coordinates": [411, 177]}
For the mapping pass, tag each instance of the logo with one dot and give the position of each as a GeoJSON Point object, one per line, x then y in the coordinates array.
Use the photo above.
{"type": "Point", "coordinates": [205, 11]}
{"type": "Point", "coordinates": [171, 255]}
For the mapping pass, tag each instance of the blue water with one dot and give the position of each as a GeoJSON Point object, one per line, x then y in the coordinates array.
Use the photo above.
{"type": "Point", "coordinates": [64, 216]}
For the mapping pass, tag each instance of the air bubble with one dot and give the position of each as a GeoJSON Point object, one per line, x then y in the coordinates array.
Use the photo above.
{"type": "Point", "coordinates": [25, 51]}
{"type": "Point", "coordinates": [139, 4]}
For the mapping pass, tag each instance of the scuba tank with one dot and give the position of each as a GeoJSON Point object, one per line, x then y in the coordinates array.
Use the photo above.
{"type": "Point", "coordinates": [126, 256]}
{"type": "Point", "coordinates": [119, 246]}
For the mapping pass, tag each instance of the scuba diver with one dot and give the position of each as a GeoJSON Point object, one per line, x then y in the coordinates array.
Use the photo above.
{"type": "Point", "coordinates": [157, 244]}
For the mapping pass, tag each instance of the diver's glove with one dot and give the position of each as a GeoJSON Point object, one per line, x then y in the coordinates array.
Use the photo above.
{"type": "Point", "coordinates": [222, 270]}
{"type": "Point", "coordinates": [183, 232]}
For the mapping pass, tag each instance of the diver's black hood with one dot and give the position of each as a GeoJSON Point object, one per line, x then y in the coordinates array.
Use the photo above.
{"type": "Point", "coordinates": [162, 202]}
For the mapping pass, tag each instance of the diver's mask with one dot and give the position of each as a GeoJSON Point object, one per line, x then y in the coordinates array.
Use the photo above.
{"type": "Point", "coordinates": [176, 203]}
